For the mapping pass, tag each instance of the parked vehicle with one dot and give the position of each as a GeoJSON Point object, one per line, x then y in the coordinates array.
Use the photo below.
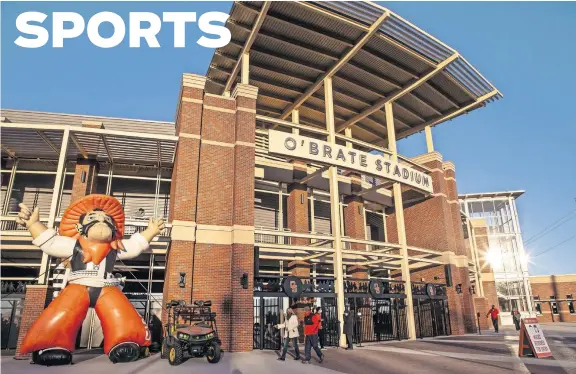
{"type": "Point", "coordinates": [191, 331]}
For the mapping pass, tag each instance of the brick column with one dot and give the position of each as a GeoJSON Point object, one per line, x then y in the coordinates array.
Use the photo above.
{"type": "Point", "coordinates": [213, 252]}
{"type": "Point", "coordinates": [212, 215]}
{"type": "Point", "coordinates": [243, 219]}
{"type": "Point", "coordinates": [183, 190]}
{"type": "Point", "coordinates": [470, 320]}
{"type": "Point", "coordinates": [85, 178]}
{"type": "Point", "coordinates": [353, 215]}
{"type": "Point", "coordinates": [34, 304]}
{"type": "Point", "coordinates": [297, 210]}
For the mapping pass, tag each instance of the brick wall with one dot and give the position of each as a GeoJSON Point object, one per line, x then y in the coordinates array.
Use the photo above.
{"type": "Point", "coordinates": [354, 225]}
{"type": "Point", "coordinates": [35, 301]}
{"type": "Point", "coordinates": [481, 305]}
{"type": "Point", "coordinates": [183, 192]}
{"type": "Point", "coordinates": [297, 211]}
{"type": "Point", "coordinates": [88, 167]}
{"type": "Point", "coordinates": [554, 285]}
{"type": "Point", "coordinates": [213, 205]}
{"type": "Point", "coordinates": [243, 254]}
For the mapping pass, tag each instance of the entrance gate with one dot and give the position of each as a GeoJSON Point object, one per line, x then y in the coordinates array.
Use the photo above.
{"type": "Point", "coordinates": [267, 312]}
{"type": "Point", "coordinates": [378, 319]}
{"type": "Point", "coordinates": [12, 307]}
{"type": "Point", "coordinates": [330, 325]}
{"type": "Point", "coordinates": [431, 317]}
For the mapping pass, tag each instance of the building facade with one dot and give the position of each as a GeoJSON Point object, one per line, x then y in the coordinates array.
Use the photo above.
{"type": "Point", "coordinates": [280, 180]}
{"type": "Point", "coordinates": [554, 297]}
{"type": "Point", "coordinates": [504, 263]}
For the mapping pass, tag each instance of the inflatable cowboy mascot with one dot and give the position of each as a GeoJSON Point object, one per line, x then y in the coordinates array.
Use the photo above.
{"type": "Point", "coordinates": [90, 236]}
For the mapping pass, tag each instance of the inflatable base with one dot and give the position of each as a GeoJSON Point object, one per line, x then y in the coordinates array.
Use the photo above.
{"type": "Point", "coordinates": [52, 357]}
{"type": "Point", "coordinates": [124, 352]}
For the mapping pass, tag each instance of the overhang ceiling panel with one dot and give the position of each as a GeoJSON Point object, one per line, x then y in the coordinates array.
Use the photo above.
{"type": "Point", "coordinates": [450, 87]}
{"type": "Point", "coordinates": [299, 42]}
{"type": "Point", "coordinates": [434, 97]}
{"type": "Point", "coordinates": [266, 75]}
{"type": "Point", "coordinates": [363, 93]}
{"type": "Point", "coordinates": [412, 104]}
{"type": "Point", "coordinates": [309, 55]}
{"type": "Point", "coordinates": [301, 13]}
{"type": "Point", "coordinates": [399, 56]}
{"type": "Point", "coordinates": [358, 75]}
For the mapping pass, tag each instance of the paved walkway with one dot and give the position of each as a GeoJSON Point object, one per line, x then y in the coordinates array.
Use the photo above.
{"type": "Point", "coordinates": [470, 354]}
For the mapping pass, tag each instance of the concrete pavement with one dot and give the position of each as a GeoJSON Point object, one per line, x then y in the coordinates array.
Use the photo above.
{"type": "Point", "coordinates": [487, 353]}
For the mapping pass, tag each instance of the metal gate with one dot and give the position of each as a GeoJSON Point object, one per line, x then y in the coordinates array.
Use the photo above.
{"type": "Point", "coordinates": [11, 312]}
{"type": "Point", "coordinates": [267, 312]}
{"type": "Point", "coordinates": [331, 325]}
{"type": "Point", "coordinates": [431, 317]}
{"type": "Point", "coordinates": [378, 319]}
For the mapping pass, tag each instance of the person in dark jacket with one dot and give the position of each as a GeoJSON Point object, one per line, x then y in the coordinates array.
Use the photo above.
{"type": "Point", "coordinates": [349, 328]}
{"type": "Point", "coordinates": [516, 317]}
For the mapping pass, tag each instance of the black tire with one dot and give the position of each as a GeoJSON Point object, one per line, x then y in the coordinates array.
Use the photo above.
{"type": "Point", "coordinates": [144, 352]}
{"type": "Point", "coordinates": [175, 354]}
{"type": "Point", "coordinates": [214, 353]}
{"type": "Point", "coordinates": [164, 349]}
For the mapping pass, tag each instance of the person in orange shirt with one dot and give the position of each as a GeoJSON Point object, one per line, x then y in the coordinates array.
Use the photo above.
{"type": "Point", "coordinates": [493, 313]}
{"type": "Point", "coordinates": [311, 328]}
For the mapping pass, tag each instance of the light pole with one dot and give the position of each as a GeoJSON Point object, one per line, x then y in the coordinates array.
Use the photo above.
{"type": "Point", "coordinates": [359, 329]}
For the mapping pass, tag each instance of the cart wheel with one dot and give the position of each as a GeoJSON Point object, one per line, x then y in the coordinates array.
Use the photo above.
{"type": "Point", "coordinates": [214, 353]}
{"type": "Point", "coordinates": [164, 349]}
{"type": "Point", "coordinates": [175, 355]}
{"type": "Point", "coordinates": [144, 352]}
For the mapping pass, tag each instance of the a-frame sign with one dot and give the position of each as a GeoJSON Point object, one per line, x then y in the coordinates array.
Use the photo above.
{"type": "Point", "coordinates": [532, 341]}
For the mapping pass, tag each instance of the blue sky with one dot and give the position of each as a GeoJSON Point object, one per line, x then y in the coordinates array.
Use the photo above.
{"type": "Point", "coordinates": [525, 141]}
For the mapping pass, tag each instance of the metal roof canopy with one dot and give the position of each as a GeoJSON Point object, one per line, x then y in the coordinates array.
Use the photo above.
{"type": "Point", "coordinates": [36, 141]}
{"type": "Point", "coordinates": [373, 55]}
{"type": "Point", "coordinates": [491, 195]}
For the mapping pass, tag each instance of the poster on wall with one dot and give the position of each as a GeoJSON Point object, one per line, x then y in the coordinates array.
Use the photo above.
{"type": "Point", "coordinates": [532, 341]}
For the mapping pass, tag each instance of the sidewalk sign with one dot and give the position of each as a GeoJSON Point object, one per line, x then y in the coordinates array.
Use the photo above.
{"type": "Point", "coordinates": [532, 340]}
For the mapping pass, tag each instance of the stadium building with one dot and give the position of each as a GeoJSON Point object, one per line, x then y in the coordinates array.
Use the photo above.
{"type": "Point", "coordinates": [280, 180]}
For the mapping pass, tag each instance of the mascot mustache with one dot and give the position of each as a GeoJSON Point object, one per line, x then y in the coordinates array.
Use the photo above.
{"type": "Point", "coordinates": [85, 228]}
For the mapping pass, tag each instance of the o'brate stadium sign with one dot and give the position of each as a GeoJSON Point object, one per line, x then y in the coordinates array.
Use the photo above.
{"type": "Point", "coordinates": [332, 154]}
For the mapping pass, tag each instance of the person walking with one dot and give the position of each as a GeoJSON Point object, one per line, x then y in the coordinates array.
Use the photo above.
{"type": "Point", "coordinates": [493, 313]}
{"type": "Point", "coordinates": [321, 329]}
{"type": "Point", "coordinates": [311, 328]}
{"type": "Point", "coordinates": [516, 316]}
{"type": "Point", "coordinates": [290, 327]}
{"type": "Point", "coordinates": [349, 328]}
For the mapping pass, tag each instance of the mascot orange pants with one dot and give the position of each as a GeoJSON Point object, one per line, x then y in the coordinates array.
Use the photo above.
{"type": "Point", "coordinates": [58, 324]}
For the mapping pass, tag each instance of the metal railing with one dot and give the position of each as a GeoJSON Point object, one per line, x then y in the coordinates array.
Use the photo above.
{"type": "Point", "coordinates": [362, 286]}
{"type": "Point", "coordinates": [9, 226]}
{"type": "Point", "coordinates": [264, 234]}
{"type": "Point", "coordinates": [368, 245]}
{"type": "Point", "coordinates": [274, 283]}
{"type": "Point", "coordinates": [419, 288]}
{"type": "Point", "coordinates": [273, 235]}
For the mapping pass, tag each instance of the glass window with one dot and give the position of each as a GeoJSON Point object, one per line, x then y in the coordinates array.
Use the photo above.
{"type": "Point", "coordinates": [538, 308]}
{"type": "Point", "coordinates": [555, 308]}
{"type": "Point", "coordinates": [571, 306]}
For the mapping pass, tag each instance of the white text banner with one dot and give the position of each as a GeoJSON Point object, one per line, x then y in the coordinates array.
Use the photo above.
{"type": "Point", "coordinates": [323, 152]}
